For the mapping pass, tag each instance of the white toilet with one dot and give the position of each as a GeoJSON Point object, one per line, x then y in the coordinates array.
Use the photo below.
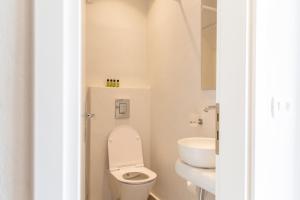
{"type": "Point", "coordinates": [129, 179]}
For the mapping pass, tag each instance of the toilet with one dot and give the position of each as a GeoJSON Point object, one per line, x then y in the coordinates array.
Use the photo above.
{"type": "Point", "coordinates": [129, 178]}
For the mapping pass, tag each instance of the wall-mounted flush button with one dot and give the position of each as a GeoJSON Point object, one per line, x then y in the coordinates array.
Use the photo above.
{"type": "Point", "coordinates": [122, 108]}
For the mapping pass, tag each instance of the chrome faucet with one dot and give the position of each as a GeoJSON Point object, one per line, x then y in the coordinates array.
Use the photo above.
{"type": "Point", "coordinates": [208, 108]}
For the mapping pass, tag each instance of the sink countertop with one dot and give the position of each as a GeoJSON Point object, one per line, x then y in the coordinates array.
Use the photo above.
{"type": "Point", "coordinates": [200, 177]}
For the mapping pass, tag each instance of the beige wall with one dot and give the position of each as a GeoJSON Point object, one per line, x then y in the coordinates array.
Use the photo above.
{"type": "Point", "coordinates": [116, 42]}
{"type": "Point", "coordinates": [174, 57]}
{"type": "Point", "coordinates": [15, 100]}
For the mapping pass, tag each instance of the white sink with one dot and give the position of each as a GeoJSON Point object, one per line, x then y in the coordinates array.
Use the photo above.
{"type": "Point", "coordinates": [200, 177]}
{"type": "Point", "coordinates": [198, 152]}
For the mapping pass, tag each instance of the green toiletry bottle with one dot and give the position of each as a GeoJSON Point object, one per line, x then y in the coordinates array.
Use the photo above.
{"type": "Point", "coordinates": [107, 82]}
{"type": "Point", "coordinates": [118, 83]}
{"type": "Point", "coordinates": [114, 83]}
{"type": "Point", "coordinates": [110, 83]}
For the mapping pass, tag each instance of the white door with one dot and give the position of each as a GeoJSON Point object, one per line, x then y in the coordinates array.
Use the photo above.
{"type": "Point", "coordinates": [261, 97]}
{"type": "Point", "coordinates": [277, 118]}
{"type": "Point", "coordinates": [232, 95]}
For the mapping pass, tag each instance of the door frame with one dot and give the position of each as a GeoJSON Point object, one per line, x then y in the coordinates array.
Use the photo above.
{"type": "Point", "coordinates": [58, 95]}
{"type": "Point", "coordinates": [235, 94]}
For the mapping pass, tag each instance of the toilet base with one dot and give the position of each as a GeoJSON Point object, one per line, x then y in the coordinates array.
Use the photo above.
{"type": "Point", "coordinates": [123, 191]}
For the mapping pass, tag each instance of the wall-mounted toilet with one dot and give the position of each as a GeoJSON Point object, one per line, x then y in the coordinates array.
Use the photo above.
{"type": "Point", "coordinates": [129, 178]}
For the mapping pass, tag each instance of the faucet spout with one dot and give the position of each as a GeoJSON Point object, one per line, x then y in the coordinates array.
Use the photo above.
{"type": "Point", "coordinates": [208, 108]}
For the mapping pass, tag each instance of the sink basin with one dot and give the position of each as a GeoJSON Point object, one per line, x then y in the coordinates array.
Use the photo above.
{"type": "Point", "coordinates": [198, 152]}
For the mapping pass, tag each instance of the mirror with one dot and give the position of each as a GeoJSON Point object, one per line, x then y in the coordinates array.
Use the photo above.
{"type": "Point", "coordinates": [208, 44]}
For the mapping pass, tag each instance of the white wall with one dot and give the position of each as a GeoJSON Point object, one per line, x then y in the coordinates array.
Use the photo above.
{"type": "Point", "coordinates": [116, 42]}
{"type": "Point", "coordinates": [174, 60]}
{"type": "Point", "coordinates": [277, 150]}
{"type": "Point", "coordinates": [102, 104]}
{"type": "Point", "coordinates": [15, 100]}
{"type": "Point", "coordinates": [48, 112]}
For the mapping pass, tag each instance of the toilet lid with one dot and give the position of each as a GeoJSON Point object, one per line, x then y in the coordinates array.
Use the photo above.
{"type": "Point", "coordinates": [124, 148]}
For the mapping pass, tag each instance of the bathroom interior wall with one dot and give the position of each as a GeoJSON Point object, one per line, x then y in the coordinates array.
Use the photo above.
{"type": "Point", "coordinates": [151, 43]}
{"type": "Point", "coordinates": [15, 100]}
{"type": "Point", "coordinates": [116, 42]}
{"type": "Point", "coordinates": [102, 104]}
{"type": "Point", "coordinates": [174, 29]}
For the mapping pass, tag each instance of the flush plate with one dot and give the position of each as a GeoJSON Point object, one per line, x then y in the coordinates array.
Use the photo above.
{"type": "Point", "coordinates": [122, 108]}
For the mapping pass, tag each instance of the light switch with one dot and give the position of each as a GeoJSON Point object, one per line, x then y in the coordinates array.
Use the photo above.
{"type": "Point", "coordinates": [122, 108]}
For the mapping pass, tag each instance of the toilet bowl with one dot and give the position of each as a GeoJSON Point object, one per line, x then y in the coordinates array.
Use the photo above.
{"type": "Point", "coordinates": [129, 178]}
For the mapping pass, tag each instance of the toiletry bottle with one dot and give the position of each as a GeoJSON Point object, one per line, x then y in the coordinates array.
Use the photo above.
{"type": "Point", "coordinates": [107, 82]}
{"type": "Point", "coordinates": [118, 83]}
{"type": "Point", "coordinates": [114, 83]}
{"type": "Point", "coordinates": [110, 83]}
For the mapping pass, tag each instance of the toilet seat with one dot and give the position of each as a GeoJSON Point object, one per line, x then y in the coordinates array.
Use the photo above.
{"type": "Point", "coordinates": [129, 179]}
{"type": "Point", "coordinates": [120, 175]}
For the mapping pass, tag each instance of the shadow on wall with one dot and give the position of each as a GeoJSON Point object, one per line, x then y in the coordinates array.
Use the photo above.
{"type": "Point", "coordinates": [186, 23]}
{"type": "Point", "coordinates": [16, 107]}
{"type": "Point", "coordinates": [189, 29]}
